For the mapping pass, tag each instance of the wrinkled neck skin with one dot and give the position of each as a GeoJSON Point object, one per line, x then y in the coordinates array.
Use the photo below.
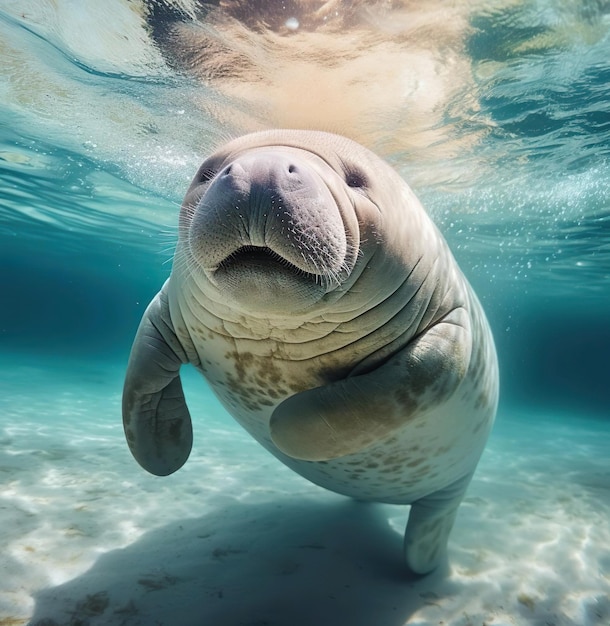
{"type": "Point", "coordinates": [372, 308]}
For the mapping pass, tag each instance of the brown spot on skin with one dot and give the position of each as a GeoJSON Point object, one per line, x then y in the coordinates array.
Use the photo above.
{"type": "Point", "coordinates": [378, 454]}
{"type": "Point", "coordinates": [415, 462]}
{"type": "Point", "coordinates": [482, 400]}
{"type": "Point", "coordinates": [390, 460]}
{"type": "Point", "coordinates": [422, 471]}
{"type": "Point", "coordinates": [270, 372]}
{"type": "Point", "coordinates": [391, 470]}
{"type": "Point", "coordinates": [419, 381]}
{"type": "Point", "coordinates": [238, 390]}
{"type": "Point", "coordinates": [251, 406]}
{"type": "Point", "coordinates": [175, 431]}
{"type": "Point", "coordinates": [242, 360]}
{"type": "Point", "coordinates": [407, 401]}
{"type": "Point", "coordinates": [480, 425]}
{"type": "Point", "coordinates": [256, 378]}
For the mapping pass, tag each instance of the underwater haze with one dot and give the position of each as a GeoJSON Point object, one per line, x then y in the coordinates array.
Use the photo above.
{"type": "Point", "coordinates": [101, 131]}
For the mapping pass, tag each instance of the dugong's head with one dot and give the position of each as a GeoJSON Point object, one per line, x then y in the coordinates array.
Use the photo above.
{"type": "Point", "coordinates": [273, 222]}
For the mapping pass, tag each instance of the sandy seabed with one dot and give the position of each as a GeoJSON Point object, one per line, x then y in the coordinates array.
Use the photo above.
{"type": "Point", "coordinates": [236, 539]}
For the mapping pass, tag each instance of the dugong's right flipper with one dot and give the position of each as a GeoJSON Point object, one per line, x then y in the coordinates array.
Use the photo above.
{"type": "Point", "coordinates": [155, 416]}
{"type": "Point", "coordinates": [345, 416]}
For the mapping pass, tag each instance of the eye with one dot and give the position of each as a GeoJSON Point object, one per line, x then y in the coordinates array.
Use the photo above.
{"type": "Point", "coordinates": [207, 171]}
{"type": "Point", "coordinates": [204, 174]}
{"type": "Point", "coordinates": [355, 178]}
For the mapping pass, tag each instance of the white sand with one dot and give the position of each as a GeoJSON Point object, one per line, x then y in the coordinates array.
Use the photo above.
{"type": "Point", "coordinates": [235, 538]}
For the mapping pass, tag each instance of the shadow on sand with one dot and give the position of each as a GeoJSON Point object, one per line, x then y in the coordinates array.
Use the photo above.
{"type": "Point", "coordinates": [290, 562]}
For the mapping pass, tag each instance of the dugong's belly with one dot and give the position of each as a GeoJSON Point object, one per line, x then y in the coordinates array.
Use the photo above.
{"type": "Point", "coordinates": [432, 450]}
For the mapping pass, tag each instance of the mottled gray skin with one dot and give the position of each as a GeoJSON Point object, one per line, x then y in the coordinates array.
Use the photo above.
{"type": "Point", "coordinates": [327, 313]}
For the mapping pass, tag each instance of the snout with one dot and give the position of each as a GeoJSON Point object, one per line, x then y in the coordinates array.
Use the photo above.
{"type": "Point", "coordinates": [270, 200]}
{"type": "Point", "coordinates": [273, 201]}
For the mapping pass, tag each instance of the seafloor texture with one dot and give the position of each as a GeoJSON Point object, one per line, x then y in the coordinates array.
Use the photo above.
{"type": "Point", "coordinates": [235, 538]}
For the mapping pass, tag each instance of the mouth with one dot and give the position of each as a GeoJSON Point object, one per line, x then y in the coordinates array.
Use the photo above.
{"type": "Point", "coordinates": [263, 258]}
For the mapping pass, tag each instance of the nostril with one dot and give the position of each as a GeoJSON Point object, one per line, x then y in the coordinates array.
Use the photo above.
{"type": "Point", "coordinates": [227, 170]}
{"type": "Point", "coordinates": [293, 169]}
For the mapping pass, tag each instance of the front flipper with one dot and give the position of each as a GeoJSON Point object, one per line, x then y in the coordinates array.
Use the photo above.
{"type": "Point", "coordinates": [348, 415]}
{"type": "Point", "coordinates": [155, 416]}
{"type": "Point", "coordinates": [430, 522]}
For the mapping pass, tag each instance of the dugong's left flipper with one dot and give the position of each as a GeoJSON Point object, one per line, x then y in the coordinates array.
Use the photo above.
{"type": "Point", "coordinates": [155, 416]}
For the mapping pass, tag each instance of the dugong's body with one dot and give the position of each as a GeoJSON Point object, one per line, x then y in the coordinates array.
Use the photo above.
{"type": "Point", "coordinates": [327, 313]}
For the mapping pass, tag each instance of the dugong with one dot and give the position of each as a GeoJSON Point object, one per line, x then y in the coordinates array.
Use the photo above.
{"type": "Point", "coordinates": [328, 315]}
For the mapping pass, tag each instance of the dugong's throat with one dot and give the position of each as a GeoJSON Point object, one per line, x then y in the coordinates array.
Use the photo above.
{"type": "Point", "coordinates": [201, 312]}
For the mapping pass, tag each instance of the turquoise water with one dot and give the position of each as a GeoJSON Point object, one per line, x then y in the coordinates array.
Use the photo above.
{"type": "Point", "coordinates": [100, 134]}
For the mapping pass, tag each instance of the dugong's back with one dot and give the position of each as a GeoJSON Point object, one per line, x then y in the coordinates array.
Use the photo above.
{"type": "Point", "coordinates": [329, 316]}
